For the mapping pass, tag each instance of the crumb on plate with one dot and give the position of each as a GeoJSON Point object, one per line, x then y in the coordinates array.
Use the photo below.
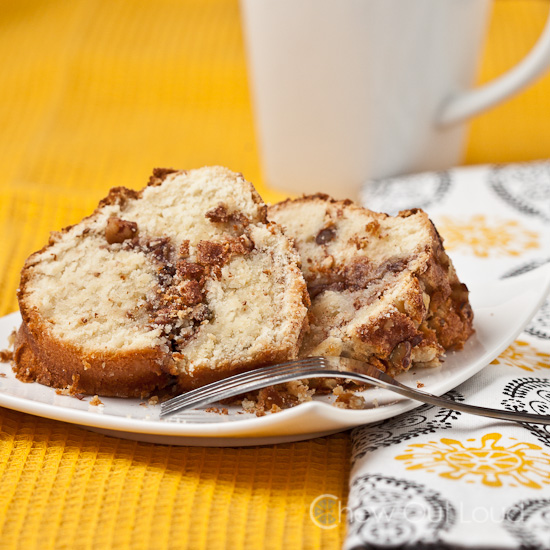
{"type": "Point", "coordinates": [223, 410]}
{"type": "Point", "coordinates": [6, 355]}
{"type": "Point", "coordinates": [95, 401]}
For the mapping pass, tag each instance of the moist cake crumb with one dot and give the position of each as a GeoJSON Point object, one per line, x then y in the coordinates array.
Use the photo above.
{"type": "Point", "coordinates": [69, 393]}
{"type": "Point", "coordinates": [6, 355]}
{"type": "Point", "coordinates": [95, 401]}
{"type": "Point", "coordinates": [217, 410]}
{"type": "Point", "coordinates": [347, 399]}
{"type": "Point", "coordinates": [195, 285]}
{"type": "Point", "coordinates": [382, 288]}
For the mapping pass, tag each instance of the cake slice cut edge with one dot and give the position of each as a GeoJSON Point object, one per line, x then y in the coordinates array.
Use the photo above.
{"type": "Point", "coordinates": [182, 282]}
{"type": "Point", "coordinates": [383, 289]}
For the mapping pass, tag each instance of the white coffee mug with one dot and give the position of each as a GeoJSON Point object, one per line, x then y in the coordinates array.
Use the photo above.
{"type": "Point", "coordinates": [349, 90]}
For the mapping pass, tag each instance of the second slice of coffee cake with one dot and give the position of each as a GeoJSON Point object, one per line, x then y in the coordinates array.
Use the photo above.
{"type": "Point", "coordinates": [382, 288]}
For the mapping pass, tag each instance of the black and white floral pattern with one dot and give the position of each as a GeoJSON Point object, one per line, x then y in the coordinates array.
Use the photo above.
{"type": "Point", "coordinates": [540, 324]}
{"type": "Point", "coordinates": [529, 522]}
{"type": "Point", "coordinates": [394, 194]}
{"type": "Point", "coordinates": [530, 395]}
{"type": "Point", "coordinates": [486, 483]}
{"type": "Point", "coordinates": [525, 187]}
{"type": "Point", "coordinates": [424, 420]}
{"type": "Point", "coordinates": [386, 512]}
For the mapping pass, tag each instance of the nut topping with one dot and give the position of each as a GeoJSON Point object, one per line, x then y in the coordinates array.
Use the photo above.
{"type": "Point", "coordinates": [325, 235]}
{"type": "Point", "coordinates": [118, 231]}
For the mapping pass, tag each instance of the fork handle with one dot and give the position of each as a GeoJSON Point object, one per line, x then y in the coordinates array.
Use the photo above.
{"type": "Point", "coordinates": [382, 380]}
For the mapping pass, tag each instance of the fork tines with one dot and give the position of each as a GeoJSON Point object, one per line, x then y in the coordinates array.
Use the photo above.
{"type": "Point", "coordinates": [211, 390]}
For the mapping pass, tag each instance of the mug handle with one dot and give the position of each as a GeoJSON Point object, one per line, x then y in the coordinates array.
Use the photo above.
{"type": "Point", "coordinates": [463, 105]}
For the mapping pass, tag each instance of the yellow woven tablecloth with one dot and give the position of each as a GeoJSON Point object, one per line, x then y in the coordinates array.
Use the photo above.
{"type": "Point", "coordinates": [93, 94]}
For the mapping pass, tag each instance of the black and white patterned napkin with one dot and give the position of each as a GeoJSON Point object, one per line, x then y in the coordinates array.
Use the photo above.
{"type": "Point", "coordinates": [432, 478]}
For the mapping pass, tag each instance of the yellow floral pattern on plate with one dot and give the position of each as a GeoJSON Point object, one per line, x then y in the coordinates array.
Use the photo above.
{"type": "Point", "coordinates": [488, 462]}
{"type": "Point", "coordinates": [524, 356]}
{"type": "Point", "coordinates": [484, 239]}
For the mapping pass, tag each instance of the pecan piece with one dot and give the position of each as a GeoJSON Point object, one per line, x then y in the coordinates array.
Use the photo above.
{"type": "Point", "coordinates": [190, 270]}
{"type": "Point", "coordinates": [401, 355]}
{"type": "Point", "coordinates": [218, 214]}
{"type": "Point", "coordinates": [118, 231]}
{"type": "Point", "coordinates": [210, 253]}
{"type": "Point", "coordinates": [325, 235]}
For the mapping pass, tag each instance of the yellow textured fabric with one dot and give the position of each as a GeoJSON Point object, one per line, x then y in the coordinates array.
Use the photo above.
{"type": "Point", "coordinates": [518, 129]}
{"type": "Point", "coordinates": [94, 94]}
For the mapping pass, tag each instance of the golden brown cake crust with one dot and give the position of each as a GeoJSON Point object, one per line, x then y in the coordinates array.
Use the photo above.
{"type": "Point", "coordinates": [42, 358]}
{"type": "Point", "coordinates": [223, 370]}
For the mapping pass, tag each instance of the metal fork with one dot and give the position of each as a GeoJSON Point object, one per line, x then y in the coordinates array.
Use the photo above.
{"type": "Point", "coordinates": [326, 367]}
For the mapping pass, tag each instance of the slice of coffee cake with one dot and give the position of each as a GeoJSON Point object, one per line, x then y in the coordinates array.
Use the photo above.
{"type": "Point", "coordinates": [382, 288]}
{"type": "Point", "coordinates": [182, 280]}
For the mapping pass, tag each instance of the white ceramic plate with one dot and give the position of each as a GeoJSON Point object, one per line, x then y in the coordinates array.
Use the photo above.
{"type": "Point", "coordinates": [502, 309]}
